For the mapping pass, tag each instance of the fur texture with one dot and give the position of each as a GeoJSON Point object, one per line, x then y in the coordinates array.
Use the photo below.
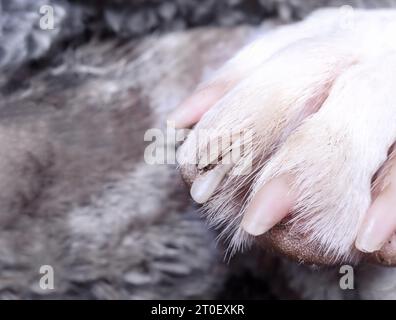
{"type": "Point", "coordinates": [76, 191]}
{"type": "Point", "coordinates": [23, 41]}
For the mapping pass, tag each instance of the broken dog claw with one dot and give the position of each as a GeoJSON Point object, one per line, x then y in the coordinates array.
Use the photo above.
{"type": "Point", "coordinates": [205, 185]}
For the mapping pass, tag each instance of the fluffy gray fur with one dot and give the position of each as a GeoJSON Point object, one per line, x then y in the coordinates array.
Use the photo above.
{"type": "Point", "coordinates": [22, 40]}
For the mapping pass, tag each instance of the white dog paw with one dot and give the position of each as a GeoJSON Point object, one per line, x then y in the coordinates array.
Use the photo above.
{"type": "Point", "coordinates": [292, 133]}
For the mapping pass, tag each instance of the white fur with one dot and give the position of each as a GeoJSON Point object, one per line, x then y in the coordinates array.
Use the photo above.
{"type": "Point", "coordinates": [319, 99]}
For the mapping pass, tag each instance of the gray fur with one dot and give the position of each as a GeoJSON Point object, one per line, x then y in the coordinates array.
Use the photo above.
{"type": "Point", "coordinates": [22, 40]}
{"type": "Point", "coordinates": [76, 191]}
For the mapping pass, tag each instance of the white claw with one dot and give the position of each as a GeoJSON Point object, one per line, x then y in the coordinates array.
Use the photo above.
{"type": "Point", "coordinates": [204, 186]}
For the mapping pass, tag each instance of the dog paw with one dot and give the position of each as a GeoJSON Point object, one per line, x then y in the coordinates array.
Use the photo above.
{"type": "Point", "coordinates": [293, 139]}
